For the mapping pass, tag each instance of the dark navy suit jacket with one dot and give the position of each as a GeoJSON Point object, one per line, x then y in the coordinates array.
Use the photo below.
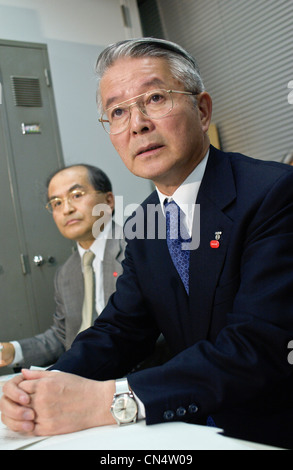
{"type": "Point", "coordinates": [230, 337]}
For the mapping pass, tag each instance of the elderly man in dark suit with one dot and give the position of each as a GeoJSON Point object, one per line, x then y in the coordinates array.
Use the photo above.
{"type": "Point", "coordinates": [223, 302]}
{"type": "Point", "coordinates": [82, 187]}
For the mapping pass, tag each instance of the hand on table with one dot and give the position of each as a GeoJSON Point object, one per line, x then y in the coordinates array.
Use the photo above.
{"type": "Point", "coordinates": [47, 403]}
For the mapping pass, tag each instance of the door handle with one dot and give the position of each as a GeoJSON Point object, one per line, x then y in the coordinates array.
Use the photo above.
{"type": "Point", "coordinates": [38, 260]}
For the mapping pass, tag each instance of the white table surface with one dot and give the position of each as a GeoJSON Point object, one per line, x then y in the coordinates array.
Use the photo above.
{"type": "Point", "coordinates": [170, 437]}
{"type": "Point", "coordinates": [167, 437]}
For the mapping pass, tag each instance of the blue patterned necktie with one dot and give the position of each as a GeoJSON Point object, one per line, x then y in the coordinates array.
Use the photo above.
{"type": "Point", "coordinates": [176, 235]}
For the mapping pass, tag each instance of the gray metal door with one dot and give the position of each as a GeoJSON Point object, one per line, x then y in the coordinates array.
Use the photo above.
{"type": "Point", "coordinates": [30, 151]}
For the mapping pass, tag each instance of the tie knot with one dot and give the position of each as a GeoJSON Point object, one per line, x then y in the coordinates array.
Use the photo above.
{"type": "Point", "coordinates": [168, 203]}
{"type": "Point", "coordinates": [176, 228]}
{"type": "Point", "coordinates": [172, 210]}
{"type": "Point", "coordinates": [88, 258]}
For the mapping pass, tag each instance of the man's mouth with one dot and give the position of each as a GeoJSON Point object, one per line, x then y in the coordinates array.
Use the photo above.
{"type": "Point", "coordinates": [149, 148]}
{"type": "Point", "coordinates": [72, 222]}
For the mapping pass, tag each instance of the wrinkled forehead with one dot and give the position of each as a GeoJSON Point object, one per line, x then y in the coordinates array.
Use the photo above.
{"type": "Point", "coordinates": [128, 77]}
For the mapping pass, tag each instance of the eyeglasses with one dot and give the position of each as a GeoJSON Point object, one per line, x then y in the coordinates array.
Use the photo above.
{"type": "Point", "coordinates": [56, 204]}
{"type": "Point", "coordinates": [154, 104]}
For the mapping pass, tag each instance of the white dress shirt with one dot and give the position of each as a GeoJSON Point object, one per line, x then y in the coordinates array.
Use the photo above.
{"type": "Point", "coordinates": [185, 196]}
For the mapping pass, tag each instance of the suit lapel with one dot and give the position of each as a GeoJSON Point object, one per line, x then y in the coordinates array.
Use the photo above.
{"type": "Point", "coordinates": [73, 281]}
{"type": "Point", "coordinates": [72, 293]}
{"type": "Point", "coordinates": [217, 192]}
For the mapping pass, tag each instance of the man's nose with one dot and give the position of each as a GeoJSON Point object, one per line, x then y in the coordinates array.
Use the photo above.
{"type": "Point", "coordinates": [139, 122]}
{"type": "Point", "coordinates": [68, 207]}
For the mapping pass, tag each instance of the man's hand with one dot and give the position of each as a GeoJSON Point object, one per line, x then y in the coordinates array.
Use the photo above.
{"type": "Point", "coordinates": [7, 354]}
{"type": "Point", "coordinates": [48, 403]}
{"type": "Point", "coordinates": [15, 407]}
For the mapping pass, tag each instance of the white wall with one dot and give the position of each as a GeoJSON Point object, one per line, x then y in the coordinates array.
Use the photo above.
{"type": "Point", "coordinates": [75, 32]}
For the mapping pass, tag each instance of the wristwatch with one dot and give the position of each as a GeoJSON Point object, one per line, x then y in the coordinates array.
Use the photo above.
{"type": "Point", "coordinates": [124, 407]}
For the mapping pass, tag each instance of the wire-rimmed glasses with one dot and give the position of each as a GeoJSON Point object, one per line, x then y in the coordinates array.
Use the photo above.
{"type": "Point", "coordinates": [154, 104]}
{"type": "Point", "coordinates": [56, 204]}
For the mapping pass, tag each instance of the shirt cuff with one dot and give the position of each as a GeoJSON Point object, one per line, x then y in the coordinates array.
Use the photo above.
{"type": "Point", "coordinates": [18, 358]}
{"type": "Point", "coordinates": [140, 406]}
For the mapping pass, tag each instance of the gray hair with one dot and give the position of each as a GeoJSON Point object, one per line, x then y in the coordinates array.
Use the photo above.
{"type": "Point", "coordinates": [183, 66]}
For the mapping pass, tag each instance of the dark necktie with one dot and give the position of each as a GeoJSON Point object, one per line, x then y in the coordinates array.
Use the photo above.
{"type": "Point", "coordinates": [177, 235]}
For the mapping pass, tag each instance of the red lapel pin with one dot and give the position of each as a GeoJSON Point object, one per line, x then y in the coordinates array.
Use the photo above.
{"type": "Point", "coordinates": [216, 243]}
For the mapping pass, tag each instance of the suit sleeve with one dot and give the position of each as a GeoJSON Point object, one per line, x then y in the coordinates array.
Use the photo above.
{"type": "Point", "coordinates": [44, 349]}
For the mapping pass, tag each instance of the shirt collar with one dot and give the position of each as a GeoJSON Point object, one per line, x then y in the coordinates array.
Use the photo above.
{"type": "Point", "coordinates": [185, 196]}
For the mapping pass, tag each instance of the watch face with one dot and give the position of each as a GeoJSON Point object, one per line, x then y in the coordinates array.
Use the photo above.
{"type": "Point", "coordinates": [125, 409]}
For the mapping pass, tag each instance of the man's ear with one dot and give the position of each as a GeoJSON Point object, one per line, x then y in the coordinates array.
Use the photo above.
{"type": "Point", "coordinates": [205, 106]}
{"type": "Point", "coordinates": [110, 200]}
